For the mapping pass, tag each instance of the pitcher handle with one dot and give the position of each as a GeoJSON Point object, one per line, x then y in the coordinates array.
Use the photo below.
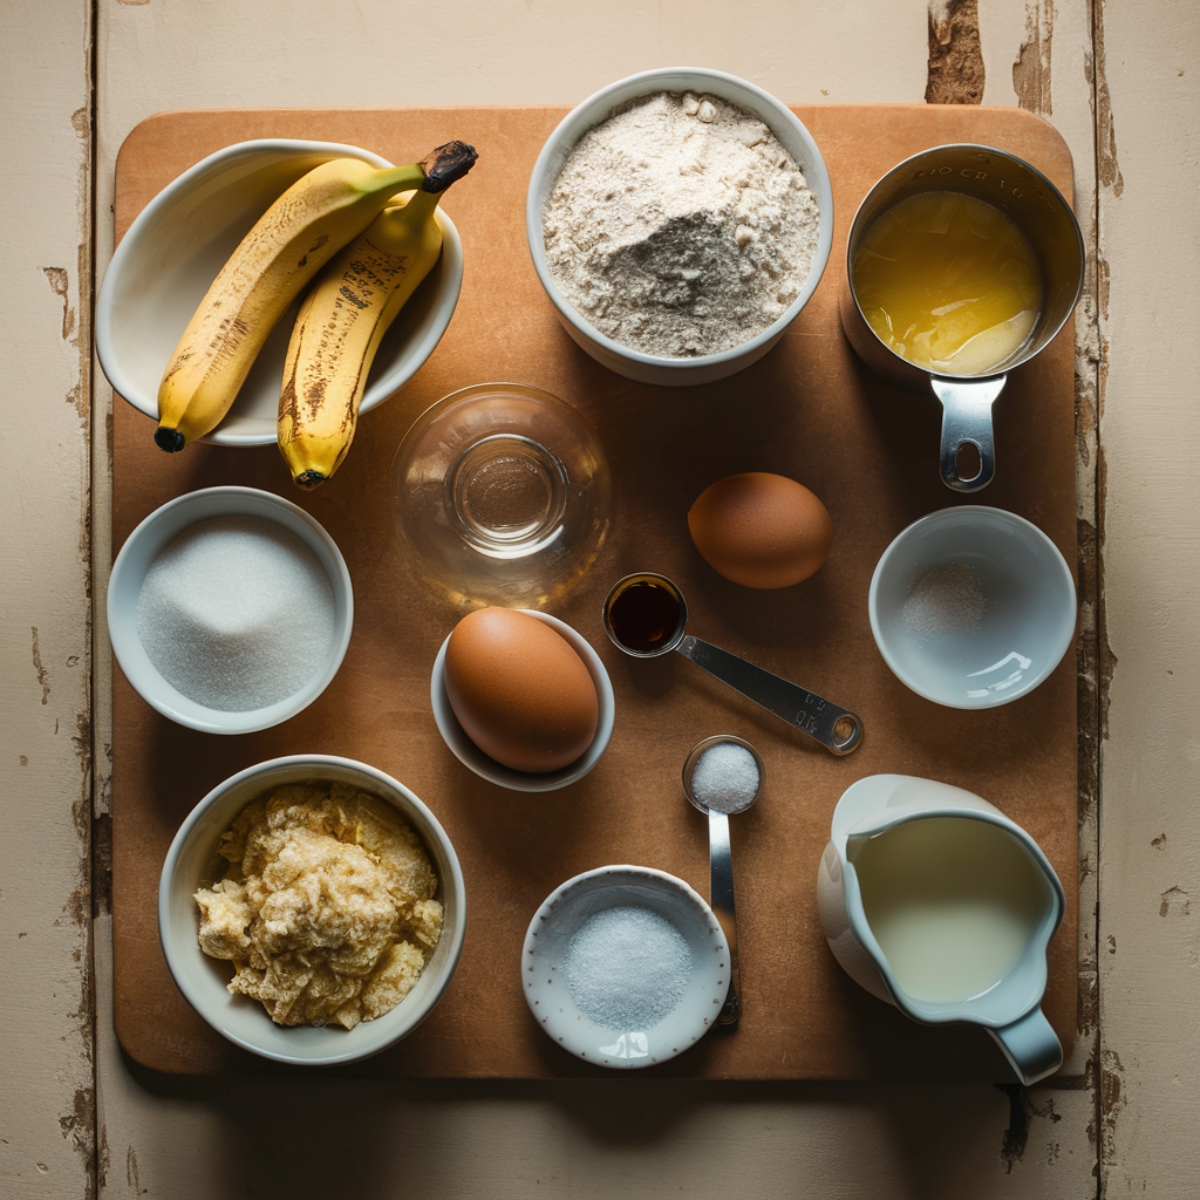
{"type": "Point", "coordinates": [967, 420]}
{"type": "Point", "coordinates": [1031, 1047]}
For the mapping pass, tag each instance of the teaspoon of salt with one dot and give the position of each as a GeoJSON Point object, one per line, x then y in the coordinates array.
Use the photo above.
{"type": "Point", "coordinates": [723, 775]}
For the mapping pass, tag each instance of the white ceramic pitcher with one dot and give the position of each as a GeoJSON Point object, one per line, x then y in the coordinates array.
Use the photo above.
{"type": "Point", "coordinates": [946, 920]}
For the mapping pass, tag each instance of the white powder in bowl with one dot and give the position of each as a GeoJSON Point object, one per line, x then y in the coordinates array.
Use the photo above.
{"type": "Point", "coordinates": [947, 598]}
{"type": "Point", "coordinates": [627, 968]}
{"type": "Point", "coordinates": [680, 226]}
{"type": "Point", "coordinates": [236, 613]}
{"type": "Point", "coordinates": [725, 778]}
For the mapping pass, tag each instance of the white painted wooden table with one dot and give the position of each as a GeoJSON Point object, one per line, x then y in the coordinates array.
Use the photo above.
{"type": "Point", "coordinates": [1121, 83]}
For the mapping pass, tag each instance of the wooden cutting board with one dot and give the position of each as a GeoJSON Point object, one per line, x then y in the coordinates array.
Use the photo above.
{"type": "Point", "coordinates": [808, 410]}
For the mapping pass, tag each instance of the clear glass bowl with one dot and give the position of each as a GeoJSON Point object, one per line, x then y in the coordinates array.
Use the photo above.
{"type": "Point", "coordinates": [501, 494]}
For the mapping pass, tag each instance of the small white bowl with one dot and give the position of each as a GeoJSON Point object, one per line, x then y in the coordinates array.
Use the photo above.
{"type": "Point", "coordinates": [177, 245]}
{"type": "Point", "coordinates": [487, 767]}
{"type": "Point", "coordinates": [566, 909]}
{"type": "Point", "coordinates": [956, 651]}
{"type": "Point", "coordinates": [792, 135]}
{"type": "Point", "coordinates": [192, 862]}
{"type": "Point", "coordinates": [152, 536]}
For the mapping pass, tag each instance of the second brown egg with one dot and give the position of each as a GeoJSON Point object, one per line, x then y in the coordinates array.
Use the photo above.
{"type": "Point", "coordinates": [761, 530]}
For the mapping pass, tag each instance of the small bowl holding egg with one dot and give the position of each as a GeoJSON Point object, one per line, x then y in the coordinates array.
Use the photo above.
{"type": "Point", "coordinates": [522, 699]}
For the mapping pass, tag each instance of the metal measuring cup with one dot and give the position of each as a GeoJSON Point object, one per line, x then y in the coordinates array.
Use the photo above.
{"type": "Point", "coordinates": [1039, 210]}
{"type": "Point", "coordinates": [837, 729]}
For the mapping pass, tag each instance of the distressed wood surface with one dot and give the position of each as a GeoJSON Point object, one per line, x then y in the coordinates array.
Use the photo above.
{"type": "Point", "coordinates": [1147, 72]}
{"type": "Point", "coordinates": [1112, 76]}
{"type": "Point", "coordinates": [47, 1112]}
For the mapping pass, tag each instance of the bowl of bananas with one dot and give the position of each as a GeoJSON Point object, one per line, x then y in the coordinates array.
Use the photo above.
{"type": "Point", "coordinates": [276, 290]}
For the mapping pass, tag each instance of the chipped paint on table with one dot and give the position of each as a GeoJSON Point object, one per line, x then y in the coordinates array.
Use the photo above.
{"type": "Point", "coordinates": [47, 1101]}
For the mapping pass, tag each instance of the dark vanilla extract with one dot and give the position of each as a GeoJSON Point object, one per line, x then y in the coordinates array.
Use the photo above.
{"type": "Point", "coordinates": [644, 617]}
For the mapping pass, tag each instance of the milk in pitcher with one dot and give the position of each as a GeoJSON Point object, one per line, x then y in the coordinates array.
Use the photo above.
{"type": "Point", "coordinates": [952, 901]}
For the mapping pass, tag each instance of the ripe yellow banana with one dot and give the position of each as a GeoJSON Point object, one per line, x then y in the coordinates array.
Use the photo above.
{"type": "Point", "coordinates": [287, 246]}
{"type": "Point", "coordinates": [340, 325]}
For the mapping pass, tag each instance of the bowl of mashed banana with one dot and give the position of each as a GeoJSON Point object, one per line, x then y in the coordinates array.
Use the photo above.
{"type": "Point", "coordinates": [312, 910]}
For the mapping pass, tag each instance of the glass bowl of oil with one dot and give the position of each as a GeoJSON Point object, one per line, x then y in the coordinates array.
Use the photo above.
{"type": "Point", "coordinates": [501, 494]}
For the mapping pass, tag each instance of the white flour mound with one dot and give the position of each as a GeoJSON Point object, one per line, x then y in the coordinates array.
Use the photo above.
{"type": "Point", "coordinates": [680, 226]}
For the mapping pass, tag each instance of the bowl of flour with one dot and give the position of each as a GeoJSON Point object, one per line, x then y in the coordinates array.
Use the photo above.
{"type": "Point", "coordinates": [679, 220]}
{"type": "Point", "coordinates": [229, 609]}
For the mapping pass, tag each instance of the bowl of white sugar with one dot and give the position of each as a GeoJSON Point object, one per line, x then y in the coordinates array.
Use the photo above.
{"type": "Point", "coordinates": [625, 967]}
{"type": "Point", "coordinates": [229, 609]}
{"type": "Point", "coordinates": [679, 221]}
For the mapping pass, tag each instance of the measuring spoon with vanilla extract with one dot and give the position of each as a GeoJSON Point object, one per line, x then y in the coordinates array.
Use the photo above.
{"type": "Point", "coordinates": [645, 615]}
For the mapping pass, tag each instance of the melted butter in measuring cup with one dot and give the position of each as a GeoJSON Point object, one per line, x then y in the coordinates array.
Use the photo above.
{"type": "Point", "coordinates": [948, 282]}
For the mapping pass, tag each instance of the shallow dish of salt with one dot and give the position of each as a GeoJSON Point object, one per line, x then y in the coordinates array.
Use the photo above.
{"type": "Point", "coordinates": [625, 967]}
{"type": "Point", "coordinates": [972, 607]}
{"type": "Point", "coordinates": [229, 609]}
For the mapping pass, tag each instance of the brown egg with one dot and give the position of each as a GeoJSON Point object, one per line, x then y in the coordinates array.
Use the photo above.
{"type": "Point", "coordinates": [761, 530]}
{"type": "Point", "coordinates": [520, 691]}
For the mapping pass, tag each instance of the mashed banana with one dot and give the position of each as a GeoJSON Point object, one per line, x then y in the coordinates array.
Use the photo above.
{"type": "Point", "coordinates": [326, 910]}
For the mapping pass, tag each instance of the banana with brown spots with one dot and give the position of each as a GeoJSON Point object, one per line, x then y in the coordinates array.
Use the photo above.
{"type": "Point", "coordinates": [343, 319]}
{"type": "Point", "coordinates": [318, 215]}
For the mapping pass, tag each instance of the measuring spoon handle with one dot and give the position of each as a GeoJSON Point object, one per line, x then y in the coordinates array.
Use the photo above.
{"type": "Point", "coordinates": [720, 891]}
{"type": "Point", "coordinates": [799, 707]}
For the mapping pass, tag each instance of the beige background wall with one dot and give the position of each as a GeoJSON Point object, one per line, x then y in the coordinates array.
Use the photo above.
{"type": "Point", "coordinates": [1120, 81]}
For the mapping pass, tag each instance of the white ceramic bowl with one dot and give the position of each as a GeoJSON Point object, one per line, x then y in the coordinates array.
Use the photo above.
{"type": "Point", "coordinates": [487, 767]}
{"type": "Point", "coordinates": [153, 535]}
{"type": "Point", "coordinates": [792, 135]}
{"type": "Point", "coordinates": [192, 862]}
{"type": "Point", "coordinates": [179, 242]}
{"type": "Point", "coordinates": [560, 917]}
{"type": "Point", "coordinates": [948, 646]}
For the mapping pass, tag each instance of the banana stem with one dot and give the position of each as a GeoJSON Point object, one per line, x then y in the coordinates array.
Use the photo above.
{"type": "Point", "coordinates": [446, 165]}
{"type": "Point", "coordinates": [430, 177]}
{"type": "Point", "coordinates": [393, 180]}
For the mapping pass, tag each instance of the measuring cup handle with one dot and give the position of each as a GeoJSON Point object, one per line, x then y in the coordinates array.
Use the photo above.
{"type": "Point", "coordinates": [721, 898]}
{"type": "Point", "coordinates": [1031, 1047]}
{"type": "Point", "coordinates": [837, 729]}
{"type": "Point", "coordinates": [967, 421]}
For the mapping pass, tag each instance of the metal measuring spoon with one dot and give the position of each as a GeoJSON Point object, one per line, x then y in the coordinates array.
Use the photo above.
{"type": "Point", "coordinates": [720, 859]}
{"type": "Point", "coordinates": [645, 615]}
